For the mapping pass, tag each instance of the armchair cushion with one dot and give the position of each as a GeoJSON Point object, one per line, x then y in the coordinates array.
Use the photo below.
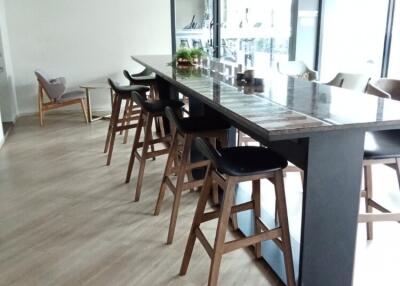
{"type": "Point", "coordinates": [54, 88]}
{"type": "Point", "coordinates": [71, 95]}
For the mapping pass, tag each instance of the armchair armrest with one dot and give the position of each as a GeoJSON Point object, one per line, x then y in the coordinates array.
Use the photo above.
{"type": "Point", "coordinates": [374, 90]}
{"type": "Point", "coordinates": [312, 74]}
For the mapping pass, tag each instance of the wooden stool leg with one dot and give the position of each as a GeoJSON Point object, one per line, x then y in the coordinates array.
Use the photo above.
{"type": "Point", "coordinates": [167, 172]}
{"type": "Point", "coordinates": [152, 145]}
{"type": "Point", "coordinates": [398, 170]}
{"type": "Point", "coordinates": [128, 121]}
{"type": "Point", "coordinates": [257, 214]}
{"type": "Point", "coordinates": [113, 131]}
{"type": "Point", "coordinates": [201, 205]}
{"type": "Point", "coordinates": [125, 115]}
{"type": "Point", "coordinates": [234, 220]}
{"type": "Point", "coordinates": [223, 221]}
{"type": "Point", "coordinates": [179, 186]}
{"type": "Point", "coordinates": [284, 224]}
{"type": "Point", "coordinates": [215, 189]}
{"type": "Point", "coordinates": [134, 147]}
{"type": "Point", "coordinates": [368, 196]}
{"type": "Point", "coordinates": [110, 125]}
{"type": "Point", "coordinates": [147, 138]}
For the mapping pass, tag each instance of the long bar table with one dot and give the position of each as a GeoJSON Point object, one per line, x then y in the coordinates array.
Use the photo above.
{"type": "Point", "coordinates": [319, 128]}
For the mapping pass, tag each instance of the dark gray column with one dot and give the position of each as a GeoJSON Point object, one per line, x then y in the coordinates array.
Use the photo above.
{"type": "Point", "coordinates": [330, 208]}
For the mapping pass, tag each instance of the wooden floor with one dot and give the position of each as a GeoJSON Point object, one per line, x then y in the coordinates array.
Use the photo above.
{"type": "Point", "coordinates": [67, 219]}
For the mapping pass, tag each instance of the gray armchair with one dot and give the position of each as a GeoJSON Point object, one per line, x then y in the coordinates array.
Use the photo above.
{"type": "Point", "coordinates": [297, 69]}
{"type": "Point", "coordinates": [55, 89]}
{"type": "Point", "coordinates": [385, 87]}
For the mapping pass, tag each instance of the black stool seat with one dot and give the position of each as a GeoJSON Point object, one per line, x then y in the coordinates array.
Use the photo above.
{"type": "Point", "coordinates": [243, 160]}
{"type": "Point", "coordinates": [196, 124]}
{"type": "Point", "coordinates": [382, 144]}
{"type": "Point", "coordinates": [126, 90]}
{"type": "Point", "coordinates": [157, 106]}
{"type": "Point", "coordinates": [144, 78]}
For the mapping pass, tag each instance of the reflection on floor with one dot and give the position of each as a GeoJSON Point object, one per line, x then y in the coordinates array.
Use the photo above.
{"type": "Point", "coordinates": [67, 219]}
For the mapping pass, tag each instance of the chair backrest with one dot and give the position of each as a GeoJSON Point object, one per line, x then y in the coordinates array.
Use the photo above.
{"type": "Point", "coordinates": [208, 150]}
{"type": "Point", "coordinates": [296, 69]}
{"type": "Point", "coordinates": [54, 88]}
{"type": "Point", "coordinates": [385, 87]}
{"type": "Point", "coordinates": [356, 82]}
{"type": "Point", "coordinates": [173, 118]}
{"type": "Point", "coordinates": [128, 77]}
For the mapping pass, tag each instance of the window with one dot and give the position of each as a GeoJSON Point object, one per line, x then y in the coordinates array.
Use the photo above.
{"type": "Point", "coordinates": [255, 33]}
{"type": "Point", "coordinates": [394, 60]}
{"type": "Point", "coordinates": [353, 37]}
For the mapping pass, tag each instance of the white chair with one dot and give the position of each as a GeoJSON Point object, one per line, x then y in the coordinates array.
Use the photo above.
{"type": "Point", "coordinates": [297, 69]}
{"type": "Point", "coordinates": [356, 82]}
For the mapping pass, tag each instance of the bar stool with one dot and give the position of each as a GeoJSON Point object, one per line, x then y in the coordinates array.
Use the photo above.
{"type": "Point", "coordinates": [115, 125]}
{"type": "Point", "coordinates": [228, 167]}
{"type": "Point", "coordinates": [149, 111]}
{"type": "Point", "coordinates": [148, 78]}
{"type": "Point", "coordinates": [186, 129]}
{"type": "Point", "coordinates": [381, 147]}
{"type": "Point", "coordinates": [144, 78]}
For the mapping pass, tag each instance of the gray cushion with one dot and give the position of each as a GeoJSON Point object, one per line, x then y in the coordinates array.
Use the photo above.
{"type": "Point", "coordinates": [54, 88]}
{"type": "Point", "coordinates": [75, 94]}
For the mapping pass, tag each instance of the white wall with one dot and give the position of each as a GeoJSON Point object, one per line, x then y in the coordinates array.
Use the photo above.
{"type": "Point", "coordinates": [83, 40]}
{"type": "Point", "coordinates": [8, 103]}
{"type": "Point", "coordinates": [1, 133]}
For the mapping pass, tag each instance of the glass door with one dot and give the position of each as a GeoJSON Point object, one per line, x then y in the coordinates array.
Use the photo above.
{"type": "Point", "coordinates": [394, 61]}
{"type": "Point", "coordinates": [194, 24]}
{"type": "Point", "coordinates": [255, 33]}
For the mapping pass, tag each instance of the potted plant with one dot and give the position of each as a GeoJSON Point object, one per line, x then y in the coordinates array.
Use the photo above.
{"type": "Point", "coordinates": [183, 57]}
{"type": "Point", "coordinates": [196, 54]}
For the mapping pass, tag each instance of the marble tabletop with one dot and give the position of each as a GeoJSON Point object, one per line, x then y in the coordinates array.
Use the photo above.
{"type": "Point", "coordinates": [283, 107]}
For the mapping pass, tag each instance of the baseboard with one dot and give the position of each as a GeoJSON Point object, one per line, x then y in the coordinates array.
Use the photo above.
{"type": "Point", "coordinates": [3, 140]}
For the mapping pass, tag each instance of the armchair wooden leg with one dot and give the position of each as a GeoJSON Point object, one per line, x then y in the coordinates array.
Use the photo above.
{"type": "Point", "coordinates": [83, 105]}
{"type": "Point", "coordinates": [40, 106]}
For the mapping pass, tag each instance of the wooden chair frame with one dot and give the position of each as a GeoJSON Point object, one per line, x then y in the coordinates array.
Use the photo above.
{"type": "Point", "coordinates": [369, 217]}
{"type": "Point", "coordinates": [280, 235]}
{"type": "Point", "coordinates": [46, 106]}
{"type": "Point", "coordinates": [145, 123]}
{"type": "Point", "coordinates": [129, 120]}
{"type": "Point", "coordinates": [179, 165]}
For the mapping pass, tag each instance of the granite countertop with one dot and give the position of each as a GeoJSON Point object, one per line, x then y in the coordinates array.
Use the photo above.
{"type": "Point", "coordinates": [283, 107]}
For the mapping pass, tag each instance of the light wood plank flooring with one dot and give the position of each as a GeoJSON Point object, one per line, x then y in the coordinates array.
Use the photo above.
{"type": "Point", "coordinates": [67, 219]}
